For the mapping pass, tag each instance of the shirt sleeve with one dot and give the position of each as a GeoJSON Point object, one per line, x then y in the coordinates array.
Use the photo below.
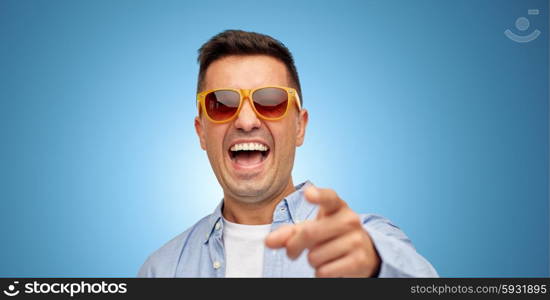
{"type": "Point", "coordinates": [397, 253]}
{"type": "Point", "coordinates": [164, 261]}
{"type": "Point", "coordinates": [146, 270]}
{"type": "Point", "coordinates": [158, 264]}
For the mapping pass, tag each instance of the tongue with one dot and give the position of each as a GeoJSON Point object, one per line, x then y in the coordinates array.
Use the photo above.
{"type": "Point", "coordinates": [247, 158]}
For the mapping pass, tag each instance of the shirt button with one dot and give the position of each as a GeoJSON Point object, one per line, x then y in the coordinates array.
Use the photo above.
{"type": "Point", "coordinates": [218, 226]}
{"type": "Point", "coordinates": [216, 265]}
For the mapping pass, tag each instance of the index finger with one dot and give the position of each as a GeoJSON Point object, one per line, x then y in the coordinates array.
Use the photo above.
{"type": "Point", "coordinates": [279, 237]}
{"type": "Point", "coordinates": [327, 199]}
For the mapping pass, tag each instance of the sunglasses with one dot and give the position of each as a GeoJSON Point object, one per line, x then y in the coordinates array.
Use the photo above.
{"type": "Point", "coordinates": [269, 103]}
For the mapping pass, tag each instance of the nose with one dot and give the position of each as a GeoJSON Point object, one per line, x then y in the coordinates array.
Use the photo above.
{"type": "Point", "coordinates": [247, 120]}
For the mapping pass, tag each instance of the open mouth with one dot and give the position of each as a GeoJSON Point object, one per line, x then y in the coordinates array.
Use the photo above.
{"type": "Point", "coordinates": [248, 154]}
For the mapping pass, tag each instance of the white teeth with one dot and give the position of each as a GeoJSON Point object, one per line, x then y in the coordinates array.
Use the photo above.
{"type": "Point", "coordinates": [249, 147]}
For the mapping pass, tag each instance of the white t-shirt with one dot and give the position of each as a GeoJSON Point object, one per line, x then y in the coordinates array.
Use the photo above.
{"type": "Point", "coordinates": [244, 249]}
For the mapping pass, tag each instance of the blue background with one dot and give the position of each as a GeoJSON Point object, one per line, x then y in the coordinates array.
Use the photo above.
{"type": "Point", "coordinates": [447, 135]}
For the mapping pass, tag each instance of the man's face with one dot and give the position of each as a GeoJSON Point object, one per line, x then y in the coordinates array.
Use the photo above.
{"type": "Point", "coordinates": [251, 176]}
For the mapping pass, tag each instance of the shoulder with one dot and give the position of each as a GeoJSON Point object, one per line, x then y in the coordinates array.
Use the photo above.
{"type": "Point", "coordinates": [398, 255]}
{"type": "Point", "coordinates": [163, 262]}
{"type": "Point", "coordinates": [377, 223]}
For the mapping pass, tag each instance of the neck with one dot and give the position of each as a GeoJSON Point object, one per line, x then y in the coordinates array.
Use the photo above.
{"type": "Point", "coordinates": [259, 213]}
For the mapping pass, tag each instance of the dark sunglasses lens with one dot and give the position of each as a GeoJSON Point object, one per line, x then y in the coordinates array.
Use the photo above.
{"type": "Point", "coordinates": [270, 102]}
{"type": "Point", "coordinates": [222, 105]}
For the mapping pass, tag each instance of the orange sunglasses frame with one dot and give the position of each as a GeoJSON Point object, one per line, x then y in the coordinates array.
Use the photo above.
{"type": "Point", "coordinates": [292, 95]}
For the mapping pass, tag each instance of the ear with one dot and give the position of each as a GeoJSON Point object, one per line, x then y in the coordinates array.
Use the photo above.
{"type": "Point", "coordinates": [301, 127]}
{"type": "Point", "coordinates": [200, 131]}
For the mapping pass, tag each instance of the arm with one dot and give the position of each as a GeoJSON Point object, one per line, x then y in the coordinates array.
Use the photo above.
{"type": "Point", "coordinates": [397, 254]}
{"type": "Point", "coordinates": [343, 244]}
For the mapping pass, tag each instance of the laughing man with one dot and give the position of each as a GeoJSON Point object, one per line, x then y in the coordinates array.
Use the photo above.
{"type": "Point", "coordinates": [250, 121]}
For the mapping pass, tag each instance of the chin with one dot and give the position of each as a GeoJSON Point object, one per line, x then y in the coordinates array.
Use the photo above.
{"type": "Point", "coordinates": [250, 191]}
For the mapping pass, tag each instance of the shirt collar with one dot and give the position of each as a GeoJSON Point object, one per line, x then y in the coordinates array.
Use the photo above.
{"type": "Point", "coordinates": [293, 208]}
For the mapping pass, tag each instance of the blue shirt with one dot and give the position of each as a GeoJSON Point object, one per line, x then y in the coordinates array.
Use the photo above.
{"type": "Point", "coordinates": [199, 251]}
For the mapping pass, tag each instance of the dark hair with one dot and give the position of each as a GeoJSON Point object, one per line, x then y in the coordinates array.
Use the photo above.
{"type": "Point", "coordinates": [238, 42]}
